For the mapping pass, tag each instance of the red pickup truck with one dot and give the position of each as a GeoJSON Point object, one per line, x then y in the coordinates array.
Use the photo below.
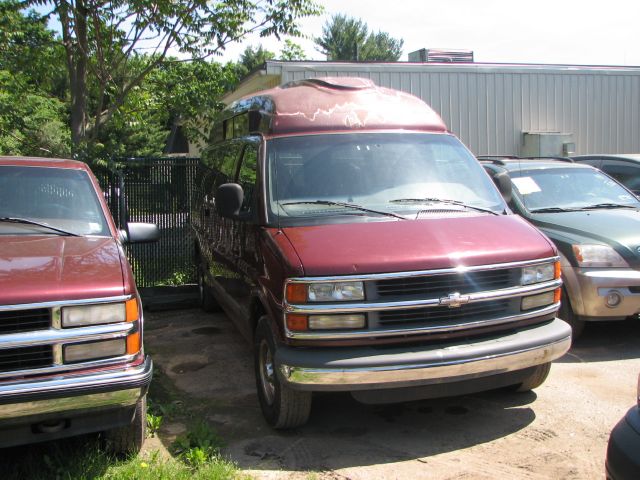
{"type": "Point", "coordinates": [71, 353]}
{"type": "Point", "coordinates": [361, 247]}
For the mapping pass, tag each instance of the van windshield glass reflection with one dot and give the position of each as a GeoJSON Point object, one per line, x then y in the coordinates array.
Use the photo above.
{"type": "Point", "coordinates": [381, 174]}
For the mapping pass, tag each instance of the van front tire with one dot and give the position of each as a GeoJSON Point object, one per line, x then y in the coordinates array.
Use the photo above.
{"type": "Point", "coordinates": [281, 406]}
{"type": "Point", "coordinates": [128, 440]}
{"type": "Point", "coordinates": [535, 379]}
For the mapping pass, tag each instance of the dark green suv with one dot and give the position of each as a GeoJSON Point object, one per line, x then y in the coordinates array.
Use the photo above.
{"type": "Point", "coordinates": [595, 223]}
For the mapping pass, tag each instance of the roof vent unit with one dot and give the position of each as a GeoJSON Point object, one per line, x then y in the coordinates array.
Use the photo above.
{"type": "Point", "coordinates": [438, 55]}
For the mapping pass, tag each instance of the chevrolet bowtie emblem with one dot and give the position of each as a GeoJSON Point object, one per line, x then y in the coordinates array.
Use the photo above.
{"type": "Point", "coordinates": [455, 300]}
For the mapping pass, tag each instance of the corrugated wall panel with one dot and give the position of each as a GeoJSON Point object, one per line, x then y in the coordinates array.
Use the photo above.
{"type": "Point", "coordinates": [489, 107]}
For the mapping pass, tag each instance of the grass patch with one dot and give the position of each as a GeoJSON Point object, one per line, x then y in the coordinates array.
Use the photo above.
{"type": "Point", "coordinates": [82, 458]}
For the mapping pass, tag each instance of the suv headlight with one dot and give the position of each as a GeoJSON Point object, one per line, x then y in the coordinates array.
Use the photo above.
{"type": "Point", "coordinates": [324, 292]}
{"type": "Point", "coordinates": [598, 256]}
{"type": "Point", "coordinates": [540, 273]}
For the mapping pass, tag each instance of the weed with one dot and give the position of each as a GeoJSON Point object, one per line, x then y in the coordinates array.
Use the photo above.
{"type": "Point", "coordinates": [198, 446]}
{"type": "Point", "coordinates": [153, 424]}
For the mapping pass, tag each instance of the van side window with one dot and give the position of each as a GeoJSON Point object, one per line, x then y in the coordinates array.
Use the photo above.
{"type": "Point", "coordinates": [225, 159]}
{"type": "Point", "coordinates": [247, 176]}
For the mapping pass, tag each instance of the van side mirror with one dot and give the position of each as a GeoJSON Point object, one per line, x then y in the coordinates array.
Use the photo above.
{"type": "Point", "coordinates": [229, 197]}
{"type": "Point", "coordinates": [503, 182]}
{"type": "Point", "coordinates": [140, 233]}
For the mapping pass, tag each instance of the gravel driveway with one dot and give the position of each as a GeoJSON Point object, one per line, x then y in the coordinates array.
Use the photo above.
{"type": "Point", "coordinates": [560, 431]}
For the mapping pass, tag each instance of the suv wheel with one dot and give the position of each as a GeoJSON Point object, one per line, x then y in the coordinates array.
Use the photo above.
{"type": "Point", "coordinates": [281, 406]}
{"type": "Point", "coordinates": [128, 440]}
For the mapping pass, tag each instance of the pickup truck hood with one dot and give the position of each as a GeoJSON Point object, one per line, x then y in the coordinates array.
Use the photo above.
{"type": "Point", "coordinates": [50, 268]}
{"type": "Point", "coordinates": [395, 246]}
{"type": "Point", "coordinates": [619, 228]}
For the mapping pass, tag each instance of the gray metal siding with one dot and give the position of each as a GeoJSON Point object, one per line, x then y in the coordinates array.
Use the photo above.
{"type": "Point", "coordinates": [489, 107]}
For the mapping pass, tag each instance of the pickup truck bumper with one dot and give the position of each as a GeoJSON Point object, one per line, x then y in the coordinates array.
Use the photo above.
{"type": "Point", "coordinates": [55, 407]}
{"type": "Point", "coordinates": [369, 368]}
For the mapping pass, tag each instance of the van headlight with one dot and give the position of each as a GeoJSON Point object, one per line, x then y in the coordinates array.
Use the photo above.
{"type": "Point", "coordinates": [324, 292]}
{"type": "Point", "coordinates": [540, 273]}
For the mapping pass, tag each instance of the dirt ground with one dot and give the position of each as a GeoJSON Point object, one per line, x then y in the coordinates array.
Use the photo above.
{"type": "Point", "coordinates": [558, 432]}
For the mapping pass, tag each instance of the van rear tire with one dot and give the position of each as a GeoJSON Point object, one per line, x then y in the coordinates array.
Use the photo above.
{"type": "Point", "coordinates": [282, 407]}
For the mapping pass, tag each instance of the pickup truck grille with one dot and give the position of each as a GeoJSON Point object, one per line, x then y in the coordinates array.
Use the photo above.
{"type": "Point", "coordinates": [25, 358]}
{"type": "Point", "coordinates": [442, 315]}
{"type": "Point", "coordinates": [441, 285]}
{"type": "Point", "coordinates": [25, 320]}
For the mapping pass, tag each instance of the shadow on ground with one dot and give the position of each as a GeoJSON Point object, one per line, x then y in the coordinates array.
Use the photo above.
{"type": "Point", "coordinates": [606, 342]}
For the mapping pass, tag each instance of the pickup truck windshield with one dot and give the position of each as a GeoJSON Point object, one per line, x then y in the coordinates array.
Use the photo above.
{"type": "Point", "coordinates": [49, 201]}
{"type": "Point", "coordinates": [378, 175]}
{"type": "Point", "coordinates": [566, 189]}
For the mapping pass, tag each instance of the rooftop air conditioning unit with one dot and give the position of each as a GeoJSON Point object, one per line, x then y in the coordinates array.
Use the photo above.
{"type": "Point", "coordinates": [440, 55]}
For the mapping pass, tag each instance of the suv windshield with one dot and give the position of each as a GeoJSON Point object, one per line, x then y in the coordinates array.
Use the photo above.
{"type": "Point", "coordinates": [62, 201]}
{"type": "Point", "coordinates": [558, 189]}
{"type": "Point", "coordinates": [376, 175]}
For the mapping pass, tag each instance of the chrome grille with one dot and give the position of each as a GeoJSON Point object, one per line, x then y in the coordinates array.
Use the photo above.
{"type": "Point", "coordinates": [443, 285]}
{"type": "Point", "coordinates": [442, 315]}
{"type": "Point", "coordinates": [24, 320]}
{"type": "Point", "coordinates": [25, 358]}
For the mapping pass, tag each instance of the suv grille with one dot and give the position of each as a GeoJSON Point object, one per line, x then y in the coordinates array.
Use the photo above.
{"type": "Point", "coordinates": [442, 285]}
{"type": "Point", "coordinates": [13, 359]}
{"type": "Point", "coordinates": [24, 320]}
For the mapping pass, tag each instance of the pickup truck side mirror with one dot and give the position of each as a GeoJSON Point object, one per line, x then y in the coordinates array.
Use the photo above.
{"type": "Point", "coordinates": [228, 198]}
{"type": "Point", "coordinates": [140, 233]}
{"type": "Point", "coordinates": [503, 182]}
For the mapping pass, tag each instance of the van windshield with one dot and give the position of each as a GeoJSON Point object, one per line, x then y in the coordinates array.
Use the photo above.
{"type": "Point", "coordinates": [400, 175]}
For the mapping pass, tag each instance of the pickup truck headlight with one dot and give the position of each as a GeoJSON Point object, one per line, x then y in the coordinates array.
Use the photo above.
{"type": "Point", "coordinates": [598, 256]}
{"type": "Point", "coordinates": [82, 352]}
{"type": "Point", "coordinates": [85, 315]}
{"type": "Point", "coordinates": [325, 292]}
{"type": "Point", "coordinates": [540, 273]}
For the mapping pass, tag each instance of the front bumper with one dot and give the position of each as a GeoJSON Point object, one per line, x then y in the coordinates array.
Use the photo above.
{"type": "Point", "coordinates": [588, 288]}
{"type": "Point", "coordinates": [623, 459]}
{"type": "Point", "coordinates": [79, 402]}
{"type": "Point", "coordinates": [367, 368]}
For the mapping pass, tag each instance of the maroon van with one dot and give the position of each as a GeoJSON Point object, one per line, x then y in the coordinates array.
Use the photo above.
{"type": "Point", "coordinates": [361, 247]}
{"type": "Point", "coordinates": [71, 353]}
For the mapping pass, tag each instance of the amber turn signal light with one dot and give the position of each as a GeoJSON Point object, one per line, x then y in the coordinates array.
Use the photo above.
{"type": "Point", "coordinates": [557, 269]}
{"type": "Point", "coordinates": [297, 323]}
{"type": "Point", "coordinates": [296, 293]}
{"type": "Point", "coordinates": [557, 295]}
{"type": "Point", "coordinates": [133, 343]}
{"type": "Point", "coordinates": [131, 307]}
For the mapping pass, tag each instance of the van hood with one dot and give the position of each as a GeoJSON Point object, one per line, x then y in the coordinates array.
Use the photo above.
{"type": "Point", "coordinates": [397, 246]}
{"type": "Point", "coordinates": [51, 268]}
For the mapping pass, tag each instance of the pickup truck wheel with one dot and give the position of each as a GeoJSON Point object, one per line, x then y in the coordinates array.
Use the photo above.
{"type": "Point", "coordinates": [281, 406]}
{"type": "Point", "coordinates": [537, 378]}
{"type": "Point", "coordinates": [128, 440]}
{"type": "Point", "coordinates": [566, 313]}
{"type": "Point", "coordinates": [207, 301]}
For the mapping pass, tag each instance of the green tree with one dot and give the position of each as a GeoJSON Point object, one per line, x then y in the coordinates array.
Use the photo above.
{"type": "Point", "coordinates": [253, 58]}
{"type": "Point", "coordinates": [292, 51]}
{"type": "Point", "coordinates": [103, 42]}
{"type": "Point", "coordinates": [348, 39]}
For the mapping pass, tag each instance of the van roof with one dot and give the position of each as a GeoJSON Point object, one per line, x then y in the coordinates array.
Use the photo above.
{"type": "Point", "coordinates": [340, 103]}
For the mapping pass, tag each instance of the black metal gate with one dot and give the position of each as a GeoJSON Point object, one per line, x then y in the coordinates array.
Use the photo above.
{"type": "Point", "coordinates": [160, 191]}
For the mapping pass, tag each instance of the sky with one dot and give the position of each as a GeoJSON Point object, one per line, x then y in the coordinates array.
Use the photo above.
{"type": "Point", "coordinates": [586, 32]}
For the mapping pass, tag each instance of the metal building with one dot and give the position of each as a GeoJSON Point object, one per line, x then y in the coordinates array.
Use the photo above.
{"type": "Point", "coordinates": [498, 108]}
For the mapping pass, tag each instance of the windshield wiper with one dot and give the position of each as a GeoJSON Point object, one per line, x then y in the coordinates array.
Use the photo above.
{"type": "Point", "coordinates": [608, 205]}
{"type": "Point", "coordinates": [554, 210]}
{"type": "Point", "coordinates": [26, 221]}
{"type": "Point", "coordinates": [345, 205]}
{"type": "Point", "coordinates": [443, 200]}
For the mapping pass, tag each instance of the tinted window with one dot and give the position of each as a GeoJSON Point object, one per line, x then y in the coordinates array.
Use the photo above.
{"type": "Point", "coordinates": [62, 198]}
{"type": "Point", "coordinates": [626, 173]}
{"type": "Point", "coordinates": [247, 175]}
{"type": "Point", "coordinates": [223, 158]}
